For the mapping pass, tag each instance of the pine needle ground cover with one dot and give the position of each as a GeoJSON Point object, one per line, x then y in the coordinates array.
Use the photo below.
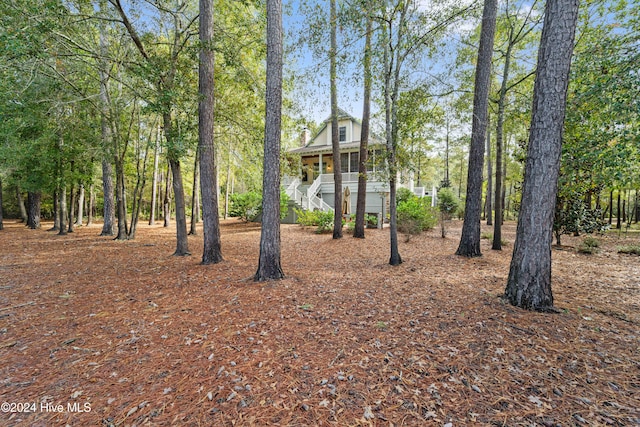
{"type": "Point", "coordinates": [99, 332]}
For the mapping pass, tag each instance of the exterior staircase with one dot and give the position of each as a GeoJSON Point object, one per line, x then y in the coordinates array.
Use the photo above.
{"type": "Point", "coordinates": [308, 200]}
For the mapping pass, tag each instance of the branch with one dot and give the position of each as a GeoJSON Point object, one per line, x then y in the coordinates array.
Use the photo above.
{"type": "Point", "coordinates": [132, 32]}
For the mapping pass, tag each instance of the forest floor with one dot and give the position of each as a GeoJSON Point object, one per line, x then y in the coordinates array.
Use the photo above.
{"type": "Point", "coordinates": [99, 332]}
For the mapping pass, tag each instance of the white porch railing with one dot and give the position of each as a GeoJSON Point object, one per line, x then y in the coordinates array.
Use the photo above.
{"type": "Point", "coordinates": [315, 202]}
{"type": "Point", "coordinates": [346, 177]}
{"type": "Point", "coordinates": [309, 201]}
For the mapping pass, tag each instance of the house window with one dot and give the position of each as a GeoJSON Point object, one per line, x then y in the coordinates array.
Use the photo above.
{"type": "Point", "coordinates": [343, 133]}
{"type": "Point", "coordinates": [344, 162]}
{"type": "Point", "coordinates": [355, 159]}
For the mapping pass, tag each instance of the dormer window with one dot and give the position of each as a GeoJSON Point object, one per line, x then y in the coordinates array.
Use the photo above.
{"type": "Point", "coordinates": [343, 133]}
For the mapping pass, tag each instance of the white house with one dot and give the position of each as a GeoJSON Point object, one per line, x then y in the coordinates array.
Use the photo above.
{"type": "Point", "coordinates": [314, 187]}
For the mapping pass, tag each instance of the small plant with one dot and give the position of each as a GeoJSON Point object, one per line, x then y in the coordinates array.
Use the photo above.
{"type": "Point", "coordinates": [381, 325]}
{"type": "Point", "coordinates": [629, 249]}
{"type": "Point", "coordinates": [306, 307]}
{"type": "Point", "coordinates": [320, 219]}
{"type": "Point", "coordinates": [448, 204]}
{"type": "Point", "coordinates": [415, 216]}
{"type": "Point", "coordinates": [589, 246]}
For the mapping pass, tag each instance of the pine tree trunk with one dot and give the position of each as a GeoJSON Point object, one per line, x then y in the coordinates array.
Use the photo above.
{"type": "Point", "coordinates": [92, 204]}
{"type": "Point", "coordinates": [360, 225]}
{"type": "Point", "coordinates": [166, 203]}
{"type": "Point", "coordinates": [470, 240]}
{"type": "Point", "coordinates": [34, 200]}
{"type": "Point", "coordinates": [1, 216]}
{"type": "Point", "coordinates": [529, 282]}
{"type": "Point", "coordinates": [194, 197]}
{"type": "Point", "coordinates": [63, 211]}
{"type": "Point", "coordinates": [212, 252]}
{"type": "Point", "coordinates": [618, 212]}
{"type": "Point", "coordinates": [23, 209]}
{"type": "Point", "coordinates": [182, 243]}
{"type": "Point", "coordinates": [121, 206]}
{"type": "Point", "coordinates": [269, 267]}
{"type": "Point", "coordinates": [108, 209]}
{"type": "Point", "coordinates": [335, 141]}
{"type": "Point", "coordinates": [499, 202]}
{"type": "Point", "coordinates": [80, 206]}
{"type": "Point", "coordinates": [488, 207]}
{"type": "Point", "coordinates": [154, 183]}
{"type": "Point", "coordinates": [56, 210]}
{"type": "Point", "coordinates": [72, 203]}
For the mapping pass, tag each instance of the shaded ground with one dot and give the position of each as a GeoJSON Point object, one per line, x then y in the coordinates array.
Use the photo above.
{"type": "Point", "coordinates": [140, 337]}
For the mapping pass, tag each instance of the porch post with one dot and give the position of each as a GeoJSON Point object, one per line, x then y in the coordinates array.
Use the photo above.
{"type": "Point", "coordinates": [320, 163]}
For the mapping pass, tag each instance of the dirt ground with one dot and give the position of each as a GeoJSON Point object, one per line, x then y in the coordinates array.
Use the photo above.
{"type": "Point", "coordinates": [99, 332]}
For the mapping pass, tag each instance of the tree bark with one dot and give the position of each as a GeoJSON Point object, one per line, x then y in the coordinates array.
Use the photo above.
{"type": "Point", "coordinates": [1, 216]}
{"type": "Point", "coordinates": [529, 282]}
{"type": "Point", "coordinates": [63, 211]}
{"type": "Point", "coordinates": [212, 252]}
{"type": "Point", "coordinates": [72, 203]}
{"type": "Point", "coordinates": [470, 239]}
{"type": "Point", "coordinates": [166, 203]}
{"type": "Point", "coordinates": [121, 206]}
{"type": "Point", "coordinates": [618, 212]}
{"type": "Point", "coordinates": [56, 211]}
{"type": "Point", "coordinates": [335, 141]}
{"type": "Point", "coordinates": [194, 196]}
{"type": "Point", "coordinates": [91, 207]}
{"type": "Point", "coordinates": [80, 206]}
{"type": "Point", "coordinates": [359, 228]}
{"type": "Point", "coordinates": [488, 208]}
{"type": "Point", "coordinates": [182, 244]}
{"type": "Point", "coordinates": [154, 183]}
{"type": "Point", "coordinates": [34, 200]}
{"type": "Point", "coordinates": [108, 208]}
{"type": "Point", "coordinates": [23, 209]}
{"type": "Point", "coordinates": [269, 267]}
{"type": "Point", "coordinates": [497, 226]}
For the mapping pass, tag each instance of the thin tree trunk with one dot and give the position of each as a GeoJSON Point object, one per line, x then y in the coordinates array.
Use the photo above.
{"type": "Point", "coordinates": [63, 211]}
{"type": "Point", "coordinates": [154, 182]}
{"type": "Point", "coordinates": [488, 203]}
{"type": "Point", "coordinates": [335, 141]}
{"type": "Point", "coordinates": [1, 216]}
{"type": "Point", "coordinates": [227, 189]}
{"type": "Point", "coordinates": [72, 203]}
{"type": "Point", "coordinates": [182, 244]}
{"type": "Point", "coordinates": [470, 239]}
{"type": "Point", "coordinates": [194, 196]}
{"type": "Point", "coordinates": [108, 209]}
{"type": "Point", "coordinates": [23, 210]}
{"type": "Point", "coordinates": [166, 204]}
{"type": "Point", "coordinates": [269, 267]}
{"type": "Point", "coordinates": [529, 281]}
{"type": "Point", "coordinates": [610, 207]}
{"type": "Point", "coordinates": [359, 228]}
{"type": "Point", "coordinates": [56, 210]}
{"type": "Point", "coordinates": [91, 207]}
{"type": "Point", "coordinates": [618, 223]}
{"type": "Point", "coordinates": [499, 203]}
{"type": "Point", "coordinates": [80, 206]}
{"type": "Point", "coordinates": [120, 201]}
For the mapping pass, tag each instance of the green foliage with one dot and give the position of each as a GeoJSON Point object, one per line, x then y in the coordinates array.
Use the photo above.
{"type": "Point", "coordinates": [415, 215]}
{"type": "Point", "coordinates": [403, 194]}
{"type": "Point", "coordinates": [629, 249]}
{"type": "Point", "coordinates": [245, 205]}
{"type": "Point", "coordinates": [448, 202]}
{"type": "Point", "coordinates": [575, 217]}
{"type": "Point", "coordinates": [589, 245]}
{"type": "Point", "coordinates": [320, 219]}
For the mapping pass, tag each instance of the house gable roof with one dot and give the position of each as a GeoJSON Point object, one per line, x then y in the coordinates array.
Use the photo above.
{"type": "Point", "coordinates": [312, 148]}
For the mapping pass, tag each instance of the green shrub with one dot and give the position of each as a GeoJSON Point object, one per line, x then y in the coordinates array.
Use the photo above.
{"type": "Point", "coordinates": [589, 245]}
{"type": "Point", "coordinates": [629, 249]}
{"type": "Point", "coordinates": [403, 194]}
{"type": "Point", "coordinates": [320, 219]}
{"type": "Point", "coordinates": [448, 204]}
{"type": "Point", "coordinates": [247, 206]}
{"type": "Point", "coordinates": [415, 215]}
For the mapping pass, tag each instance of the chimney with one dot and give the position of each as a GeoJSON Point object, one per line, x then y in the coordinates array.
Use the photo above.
{"type": "Point", "coordinates": [304, 137]}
